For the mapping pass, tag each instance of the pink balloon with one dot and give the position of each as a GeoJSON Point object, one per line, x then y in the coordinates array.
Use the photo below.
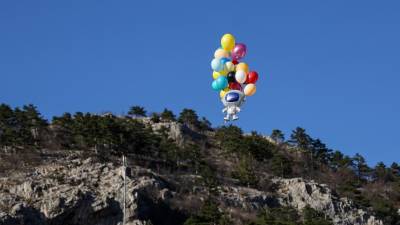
{"type": "Point", "coordinates": [239, 51]}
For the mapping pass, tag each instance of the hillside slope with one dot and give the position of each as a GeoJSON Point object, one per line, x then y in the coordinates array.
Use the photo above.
{"type": "Point", "coordinates": [181, 171]}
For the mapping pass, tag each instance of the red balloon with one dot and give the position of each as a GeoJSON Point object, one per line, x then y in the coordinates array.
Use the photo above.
{"type": "Point", "coordinates": [252, 77]}
{"type": "Point", "coordinates": [235, 62]}
{"type": "Point", "coordinates": [235, 86]}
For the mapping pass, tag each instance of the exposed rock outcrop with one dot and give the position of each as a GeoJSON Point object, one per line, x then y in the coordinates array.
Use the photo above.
{"type": "Point", "coordinates": [299, 193]}
{"type": "Point", "coordinates": [89, 192]}
{"type": "Point", "coordinates": [81, 192]}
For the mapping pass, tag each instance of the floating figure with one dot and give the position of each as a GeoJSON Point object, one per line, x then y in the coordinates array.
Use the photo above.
{"type": "Point", "coordinates": [232, 101]}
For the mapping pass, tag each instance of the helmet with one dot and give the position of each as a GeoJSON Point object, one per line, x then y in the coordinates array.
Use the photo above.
{"type": "Point", "coordinates": [233, 97]}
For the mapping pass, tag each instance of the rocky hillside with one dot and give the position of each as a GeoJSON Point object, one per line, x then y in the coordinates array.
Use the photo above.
{"type": "Point", "coordinates": [181, 171]}
{"type": "Point", "coordinates": [76, 191]}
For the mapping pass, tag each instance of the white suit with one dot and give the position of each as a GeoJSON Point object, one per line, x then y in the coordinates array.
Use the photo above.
{"type": "Point", "coordinates": [232, 101]}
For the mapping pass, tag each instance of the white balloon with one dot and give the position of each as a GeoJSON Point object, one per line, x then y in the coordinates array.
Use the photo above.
{"type": "Point", "coordinates": [229, 66]}
{"type": "Point", "coordinates": [216, 65]}
{"type": "Point", "coordinates": [240, 76]}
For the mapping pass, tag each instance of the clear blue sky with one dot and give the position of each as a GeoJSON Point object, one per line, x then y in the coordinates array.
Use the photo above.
{"type": "Point", "coordinates": [332, 67]}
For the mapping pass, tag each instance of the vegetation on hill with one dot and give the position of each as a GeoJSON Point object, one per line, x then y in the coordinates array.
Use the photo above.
{"type": "Point", "coordinates": [256, 157]}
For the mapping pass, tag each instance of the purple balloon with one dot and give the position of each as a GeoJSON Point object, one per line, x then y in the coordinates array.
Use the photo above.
{"type": "Point", "coordinates": [239, 51]}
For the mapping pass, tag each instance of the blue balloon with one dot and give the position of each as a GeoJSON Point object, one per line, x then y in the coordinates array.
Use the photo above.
{"type": "Point", "coordinates": [217, 65]}
{"type": "Point", "coordinates": [222, 82]}
{"type": "Point", "coordinates": [224, 60]}
{"type": "Point", "coordinates": [214, 85]}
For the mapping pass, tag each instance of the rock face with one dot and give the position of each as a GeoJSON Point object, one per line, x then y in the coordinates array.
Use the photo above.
{"type": "Point", "coordinates": [80, 193]}
{"type": "Point", "coordinates": [298, 193]}
{"type": "Point", "coordinates": [87, 192]}
{"type": "Point", "coordinates": [174, 129]}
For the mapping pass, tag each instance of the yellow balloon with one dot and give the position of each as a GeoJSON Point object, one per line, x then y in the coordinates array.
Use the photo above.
{"type": "Point", "coordinates": [250, 89]}
{"type": "Point", "coordinates": [221, 53]}
{"type": "Point", "coordinates": [224, 72]}
{"type": "Point", "coordinates": [228, 42]}
{"type": "Point", "coordinates": [229, 66]}
{"type": "Point", "coordinates": [216, 74]}
{"type": "Point", "coordinates": [242, 66]}
{"type": "Point", "coordinates": [222, 93]}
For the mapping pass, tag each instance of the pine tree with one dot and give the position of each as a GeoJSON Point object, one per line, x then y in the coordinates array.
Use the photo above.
{"type": "Point", "coordinates": [193, 154]}
{"type": "Point", "coordinates": [230, 139]}
{"type": "Point", "coordinates": [167, 115]}
{"type": "Point", "coordinates": [63, 128]}
{"type": "Point", "coordinates": [301, 139]}
{"type": "Point", "coordinates": [381, 173]}
{"type": "Point", "coordinates": [338, 161]}
{"type": "Point", "coordinates": [320, 152]}
{"type": "Point", "coordinates": [7, 121]}
{"type": "Point", "coordinates": [258, 146]}
{"type": "Point", "coordinates": [23, 129]}
{"type": "Point", "coordinates": [189, 117]}
{"type": "Point", "coordinates": [281, 166]}
{"type": "Point", "coordinates": [245, 171]}
{"type": "Point", "coordinates": [155, 117]}
{"type": "Point", "coordinates": [278, 136]}
{"type": "Point", "coordinates": [204, 124]}
{"type": "Point", "coordinates": [395, 170]}
{"type": "Point", "coordinates": [34, 122]}
{"type": "Point", "coordinates": [361, 167]}
{"type": "Point", "coordinates": [137, 111]}
{"type": "Point", "coordinates": [209, 178]}
{"type": "Point", "coordinates": [303, 142]}
{"type": "Point", "coordinates": [33, 116]}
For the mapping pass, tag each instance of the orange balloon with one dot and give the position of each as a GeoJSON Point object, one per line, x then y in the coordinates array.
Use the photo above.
{"type": "Point", "coordinates": [242, 66]}
{"type": "Point", "coordinates": [221, 53]}
{"type": "Point", "coordinates": [250, 89]}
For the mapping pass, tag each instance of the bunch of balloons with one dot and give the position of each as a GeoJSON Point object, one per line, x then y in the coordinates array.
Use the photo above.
{"type": "Point", "coordinates": [229, 73]}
